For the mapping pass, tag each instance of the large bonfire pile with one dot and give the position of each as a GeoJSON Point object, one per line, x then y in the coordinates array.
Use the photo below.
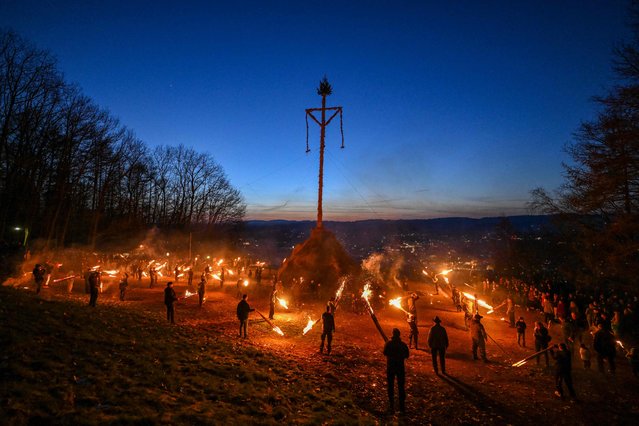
{"type": "Point", "coordinates": [321, 259]}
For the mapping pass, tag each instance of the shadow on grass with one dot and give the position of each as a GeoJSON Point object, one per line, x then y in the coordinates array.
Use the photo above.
{"type": "Point", "coordinates": [482, 401]}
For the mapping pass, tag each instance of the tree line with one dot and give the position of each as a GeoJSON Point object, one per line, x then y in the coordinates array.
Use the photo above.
{"type": "Point", "coordinates": [70, 172]}
{"type": "Point", "coordinates": [598, 203]}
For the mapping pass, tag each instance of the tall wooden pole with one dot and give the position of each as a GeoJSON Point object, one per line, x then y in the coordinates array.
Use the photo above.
{"type": "Point", "coordinates": [323, 90]}
{"type": "Point", "coordinates": [321, 164]}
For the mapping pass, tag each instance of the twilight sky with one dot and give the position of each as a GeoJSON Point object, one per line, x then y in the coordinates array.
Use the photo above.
{"type": "Point", "coordinates": [450, 108]}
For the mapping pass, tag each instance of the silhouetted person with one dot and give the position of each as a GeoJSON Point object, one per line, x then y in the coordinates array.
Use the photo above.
{"type": "Point", "coordinates": [94, 287]}
{"type": "Point", "coordinates": [189, 274]}
{"type": "Point", "coordinates": [438, 343]}
{"type": "Point", "coordinates": [563, 370]}
{"type": "Point", "coordinates": [38, 276]}
{"type": "Point", "coordinates": [201, 291]}
{"type": "Point", "coordinates": [153, 277]}
{"type": "Point", "coordinates": [169, 300]}
{"type": "Point", "coordinates": [606, 347]}
{"type": "Point", "coordinates": [243, 310]}
{"type": "Point", "coordinates": [328, 328]}
{"type": "Point", "coordinates": [542, 337]}
{"type": "Point", "coordinates": [414, 332]}
{"type": "Point", "coordinates": [396, 352]}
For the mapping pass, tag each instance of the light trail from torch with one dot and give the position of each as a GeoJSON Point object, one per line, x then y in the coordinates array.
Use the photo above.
{"type": "Point", "coordinates": [275, 328]}
{"type": "Point", "coordinates": [480, 302]}
{"type": "Point", "coordinates": [397, 303]}
{"type": "Point", "coordinates": [494, 309]}
{"type": "Point", "coordinates": [528, 358]}
{"type": "Point", "coordinates": [65, 278]}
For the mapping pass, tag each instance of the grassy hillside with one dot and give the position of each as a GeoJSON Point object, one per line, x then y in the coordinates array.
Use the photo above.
{"type": "Point", "coordinates": [66, 363]}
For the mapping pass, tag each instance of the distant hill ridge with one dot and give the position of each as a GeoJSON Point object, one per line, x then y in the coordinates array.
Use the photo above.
{"type": "Point", "coordinates": [522, 223]}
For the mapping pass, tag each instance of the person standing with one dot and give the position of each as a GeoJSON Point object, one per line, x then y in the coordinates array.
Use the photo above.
{"type": "Point", "coordinates": [94, 287]}
{"type": "Point", "coordinates": [243, 310]}
{"type": "Point", "coordinates": [38, 276]}
{"type": "Point", "coordinates": [189, 274]}
{"type": "Point", "coordinates": [520, 325]}
{"type": "Point", "coordinates": [201, 291]}
{"type": "Point", "coordinates": [542, 338]}
{"type": "Point", "coordinates": [124, 283]}
{"type": "Point", "coordinates": [606, 348]}
{"type": "Point", "coordinates": [414, 331]}
{"type": "Point", "coordinates": [152, 277]}
{"type": "Point", "coordinates": [169, 300]}
{"type": "Point", "coordinates": [328, 328]}
{"type": "Point", "coordinates": [478, 336]}
{"type": "Point", "coordinates": [271, 304]}
{"type": "Point", "coordinates": [396, 353]}
{"type": "Point", "coordinates": [563, 370]}
{"type": "Point", "coordinates": [438, 343]}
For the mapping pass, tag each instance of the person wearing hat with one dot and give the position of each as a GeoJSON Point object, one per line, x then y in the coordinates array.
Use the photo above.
{"type": "Point", "coordinates": [438, 343]}
{"type": "Point", "coordinates": [396, 352]}
{"type": "Point", "coordinates": [479, 337]}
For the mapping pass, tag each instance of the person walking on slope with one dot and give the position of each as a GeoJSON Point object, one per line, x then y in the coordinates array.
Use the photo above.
{"type": "Point", "coordinates": [438, 343]}
{"type": "Point", "coordinates": [563, 370]}
{"type": "Point", "coordinates": [396, 352]}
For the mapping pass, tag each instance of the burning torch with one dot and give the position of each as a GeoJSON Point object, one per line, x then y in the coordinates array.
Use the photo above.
{"type": "Point", "coordinates": [275, 328]}
{"type": "Point", "coordinates": [366, 294]}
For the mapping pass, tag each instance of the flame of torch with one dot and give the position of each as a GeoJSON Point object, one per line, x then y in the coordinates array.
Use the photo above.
{"type": "Point", "coordinates": [217, 277]}
{"type": "Point", "coordinates": [278, 330]}
{"type": "Point", "coordinates": [230, 271]}
{"type": "Point", "coordinates": [309, 326]}
{"type": "Point", "coordinates": [340, 290]}
{"type": "Point", "coordinates": [366, 295]}
{"type": "Point", "coordinates": [188, 294]}
{"type": "Point", "coordinates": [479, 302]}
{"type": "Point", "coordinates": [246, 283]}
{"type": "Point", "coordinates": [621, 344]}
{"type": "Point", "coordinates": [283, 302]}
{"type": "Point", "coordinates": [219, 262]}
{"type": "Point", "coordinates": [397, 302]}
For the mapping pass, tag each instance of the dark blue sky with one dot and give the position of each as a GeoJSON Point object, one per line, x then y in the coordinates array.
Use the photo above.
{"type": "Point", "coordinates": [450, 108]}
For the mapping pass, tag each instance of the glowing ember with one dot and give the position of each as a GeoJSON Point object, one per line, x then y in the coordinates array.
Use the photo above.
{"type": "Point", "coordinates": [283, 302]}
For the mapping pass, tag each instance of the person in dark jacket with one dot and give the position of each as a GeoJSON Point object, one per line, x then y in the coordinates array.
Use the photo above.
{"type": "Point", "coordinates": [438, 343]}
{"type": "Point", "coordinates": [201, 291]}
{"type": "Point", "coordinates": [478, 337]}
{"type": "Point", "coordinates": [169, 300]}
{"type": "Point", "coordinates": [396, 352]}
{"type": "Point", "coordinates": [563, 370]}
{"type": "Point", "coordinates": [94, 287]}
{"type": "Point", "coordinates": [606, 347]}
{"type": "Point", "coordinates": [542, 338]}
{"type": "Point", "coordinates": [328, 328]}
{"type": "Point", "coordinates": [243, 310]}
{"type": "Point", "coordinates": [520, 325]}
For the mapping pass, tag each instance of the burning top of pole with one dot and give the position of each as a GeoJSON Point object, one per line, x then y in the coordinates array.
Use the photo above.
{"type": "Point", "coordinates": [397, 302]}
{"type": "Point", "coordinates": [366, 295]}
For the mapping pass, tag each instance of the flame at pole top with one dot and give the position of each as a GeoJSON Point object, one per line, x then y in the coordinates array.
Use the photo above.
{"type": "Point", "coordinates": [621, 344]}
{"type": "Point", "coordinates": [217, 277]}
{"type": "Point", "coordinates": [219, 262]}
{"type": "Point", "coordinates": [366, 294]}
{"type": "Point", "coordinates": [479, 302]}
{"type": "Point", "coordinates": [188, 294]}
{"type": "Point", "coordinates": [283, 302]}
{"type": "Point", "coordinates": [246, 283]}
{"type": "Point", "coordinates": [230, 271]}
